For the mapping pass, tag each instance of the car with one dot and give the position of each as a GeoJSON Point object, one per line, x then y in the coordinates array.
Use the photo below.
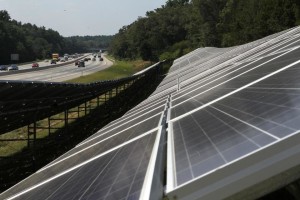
{"type": "Point", "coordinates": [3, 68]}
{"type": "Point", "coordinates": [35, 65]}
{"type": "Point", "coordinates": [101, 59]}
{"type": "Point", "coordinates": [53, 61]}
{"type": "Point", "coordinates": [81, 63]}
{"type": "Point", "coordinates": [12, 67]}
{"type": "Point", "coordinates": [76, 62]}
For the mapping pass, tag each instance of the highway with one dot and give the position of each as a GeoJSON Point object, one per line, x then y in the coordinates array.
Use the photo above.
{"type": "Point", "coordinates": [62, 73]}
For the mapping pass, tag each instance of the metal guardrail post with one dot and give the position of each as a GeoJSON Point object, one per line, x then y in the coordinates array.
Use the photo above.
{"type": "Point", "coordinates": [28, 136]}
{"type": "Point", "coordinates": [49, 126]}
{"type": "Point", "coordinates": [110, 93]}
{"type": "Point", "coordinates": [66, 120]}
{"type": "Point", "coordinates": [117, 90]}
{"type": "Point", "coordinates": [78, 111]}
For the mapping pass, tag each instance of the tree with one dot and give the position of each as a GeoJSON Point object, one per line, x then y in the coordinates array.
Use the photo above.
{"type": "Point", "coordinates": [4, 16]}
{"type": "Point", "coordinates": [244, 21]}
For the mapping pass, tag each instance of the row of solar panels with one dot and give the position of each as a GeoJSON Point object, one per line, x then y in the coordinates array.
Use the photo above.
{"type": "Point", "coordinates": [25, 102]}
{"type": "Point", "coordinates": [222, 121]}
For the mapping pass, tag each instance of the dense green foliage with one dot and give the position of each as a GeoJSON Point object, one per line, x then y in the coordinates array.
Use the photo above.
{"type": "Point", "coordinates": [27, 40]}
{"type": "Point", "coordinates": [175, 29]}
{"type": "Point", "coordinates": [86, 43]}
{"type": "Point", "coordinates": [183, 25]}
{"type": "Point", "coordinates": [32, 42]}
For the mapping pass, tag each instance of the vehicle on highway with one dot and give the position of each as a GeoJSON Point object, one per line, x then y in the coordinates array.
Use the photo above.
{"type": "Point", "coordinates": [12, 67]}
{"type": "Point", "coordinates": [55, 56]}
{"type": "Point", "coordinates": [81, 63]}
{"type": "Point", "coordinates": [101, 59]}
{"type": "Point", "coordinates": [34, 65]}
{"type": "Point", "coordinates": [76, 62]}
{"type": "Point", "coordinates": [3, 67]}
{"type": "Point", "coordinates": [86, 59]}
{"type": "Point", "coordinates": [53, 61]}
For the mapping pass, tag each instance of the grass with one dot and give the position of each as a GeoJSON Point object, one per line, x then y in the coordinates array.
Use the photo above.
{"type": "Point", "coordinates": [120, 69]}
{"type": "Point", "coordinates": [9, 148]}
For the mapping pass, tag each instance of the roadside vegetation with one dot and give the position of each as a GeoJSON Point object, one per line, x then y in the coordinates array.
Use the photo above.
{"type": "Point", "coordinates": [38, 43]}
{"type": "Point", "coordinates": [181, 26]}
{"type": "Point", "coordinates": [9, 148]}
{"type": "Point", "coordinates": [120, 69]}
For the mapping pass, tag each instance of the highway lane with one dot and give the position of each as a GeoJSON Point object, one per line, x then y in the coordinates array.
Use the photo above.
{"type": "Point", "coordinates": [47, 62]}
{"type": "Point", "coordinates": [63, 73]}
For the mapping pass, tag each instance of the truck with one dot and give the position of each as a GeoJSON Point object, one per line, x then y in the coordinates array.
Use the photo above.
{"type": "Point", "coordinates": [55, 56]}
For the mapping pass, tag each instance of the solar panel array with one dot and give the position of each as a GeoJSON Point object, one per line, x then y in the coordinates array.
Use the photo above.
{"type": "Point", "coordinates": [25, 102]}
{"type": "Point", "coordinates": [224, 115]}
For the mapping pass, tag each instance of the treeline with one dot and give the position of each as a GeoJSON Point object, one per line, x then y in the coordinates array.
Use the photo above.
{"type": "Point", "coordinates": [81, 44]}
{"type": "Point", "coordinates": [180, 26]}
{"type": "Point", "coordinates": [32, 42]}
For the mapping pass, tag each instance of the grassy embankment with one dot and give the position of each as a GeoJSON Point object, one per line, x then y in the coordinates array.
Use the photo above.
{"type": "Point", "coordinates": [120, 69]}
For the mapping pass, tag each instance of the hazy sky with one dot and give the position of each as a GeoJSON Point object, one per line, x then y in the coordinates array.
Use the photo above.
{"type": "Point", "coordinates": [79, 17]}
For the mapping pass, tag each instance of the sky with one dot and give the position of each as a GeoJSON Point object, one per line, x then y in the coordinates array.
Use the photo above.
{"type": "Point", "coordinates": [79, 17]}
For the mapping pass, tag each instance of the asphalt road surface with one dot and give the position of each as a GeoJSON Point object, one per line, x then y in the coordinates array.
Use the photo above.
{"type": "Point", "coordinates": [62, 73]}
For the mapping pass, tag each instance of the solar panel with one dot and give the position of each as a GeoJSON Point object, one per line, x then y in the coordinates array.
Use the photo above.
{"type": "Point", "coordinates": [145, 105]}
{"type": "Point", "coordinates": [133, 117]}
{"type": "Point", "coordinates": [232, 81]}
{"type": "Point", "coordinates": [268, 51]}
{"type": "Point", "coordinates": [118, 135]}
{"type": "Point", "coordinates": [119, 174]}
{"type": "Point", "coordinates": [219, 122]}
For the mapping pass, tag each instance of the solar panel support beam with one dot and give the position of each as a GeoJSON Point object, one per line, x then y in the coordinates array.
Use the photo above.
{"type": "Point", "coordinates": [31, 130]}
{"type": "Point", "coordinates": [66, 120]}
